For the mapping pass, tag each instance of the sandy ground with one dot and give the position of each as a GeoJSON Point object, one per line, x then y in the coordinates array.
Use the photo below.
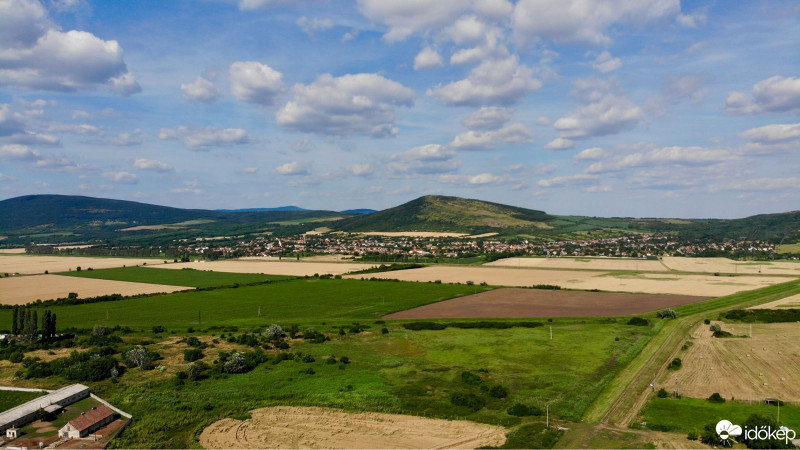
{"type": "Point", "coordinates": [34, 264]}
{"type": "Point", "coordinates": [482, 235]}
{"type": "Point", "coordinates": [583, 263]}
{"type": "Point", "coordinates": [726, 266]}
{"type": "Point", "coordinates": [544, 303]}
{"type": "Point", "coordinates": [309, 427]}
{"type": "Point", "coordinates": [653, 283]}
{"type": "Point", "coordinates": [272, 266]}
{"type": "Point", "coordinates": [21, 290]}
{"type": "Point", "coordinates": [12, 250]}
{"type": "Point", "coordinates": [788, 302]}
{"type": "Point", "coordinates": [410, 233]}
{"type": "Point", "coordinates": [766, 365]}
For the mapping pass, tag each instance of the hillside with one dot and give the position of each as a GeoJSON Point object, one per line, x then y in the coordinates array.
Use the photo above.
{"type": "Point", "coordinates": [454, 214]}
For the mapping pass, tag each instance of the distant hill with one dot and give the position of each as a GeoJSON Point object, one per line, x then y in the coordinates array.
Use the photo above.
{"type": "Point", "coordinates": [441, 213]}
{"type": "Point", "coordinates": [279, 208]}
{"type": "Point", "coordinates": [359, 211]}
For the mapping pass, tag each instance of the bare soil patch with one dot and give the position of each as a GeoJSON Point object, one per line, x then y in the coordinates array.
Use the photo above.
{"type": "Point", "coordinates": [544, 303]}
{"type": "Point", "coordinates": [788, 302]}
{"type": "Point", "coordinates": [32, 264]}
{"type": "Point", "coordinates": [584, 263]}
{"type": "Point", "coordinates": [273, 266]}
{"type": "Point", "coordinates": [310, 427]}
{"type": "Point", "coordinates": [727, 266]}
{"type": "Point", "coordinates": [648, 283]}
{"type": "Point", "coordinates": [21, 290]}
{"type": "Point", "coordinates": [411, 234]}
{"type": "Point", "coordinates": [766, 365]}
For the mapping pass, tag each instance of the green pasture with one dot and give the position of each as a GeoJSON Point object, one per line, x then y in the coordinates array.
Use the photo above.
{"type": "Point", "coordinates": [297, 301]}
{"type": "Point", "coordinates": [692, 414]}
{"type": "Point", "coordinates": [175, 277]}
{"type": "Point", "coordinates": [410, 372]}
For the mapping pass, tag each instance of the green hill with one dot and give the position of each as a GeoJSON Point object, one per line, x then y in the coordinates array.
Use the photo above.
{"type": "Point", "coordinates": [453, 214]}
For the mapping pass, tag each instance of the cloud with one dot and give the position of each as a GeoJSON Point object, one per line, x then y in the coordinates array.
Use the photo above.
{"type": "Point", "coordinates": [127, 139]}
{"type": "Point", "coordinates": [691, 86]}
{"type": "Point", "coordinates": [23, 153]}
{"type": "Point", "coordinates": [592, 154]}
{"type": "Point", "coordinates": [292, 168]}
{"type": "Point", "coordinates": [773, 134]}
{"type": "Point", "coordinates": [37, 55]}
{"type": "Point", "coordinates": [570, 180]}
{"type": "Point", "coordinates": [605, 63]}
{"type": "Point", "coordinates": [488, 118]}
{"type": "Point", "coordinates": [467, 29]}
{"type": "Point", "coordinates": [203, 138]}
{"type": "Point", "coordinates": [423, 160]}
{"type": "Point", "coordinates": [582, 21]}
{"type": "Point", "coordinates": [610, 114]}
{"type": "Point", "coordinates": [360, 104]}
{"type": "Point", "coordinates": [559, 144]}
{"type": "Point", "coordinates": [201, 90]}
{"type": "Point", "coordinates": [122, 177]}
{"type": "Point", "coordinates": [17, 152]}
{"type": "Point", "coordinates": [153, 165]}
{"type": "Point", "coordinates": [676, 156]}
{"type": "Point", "coordinates": [481, 140]}
{"type": "Point", "coordinates": [405, 17]}
{"type": "Point", "coordinates": [427, 58]}
{"type": "Point", "coordinates": [253, 5]}
{"type": "Point", "coordinates": [493, 82]}
{"type": "Point", "coordinates": [80, 129]}
{"type": "Point", "coordinates": [360, 170]}
{"type": "Point", "coordinates": [309, 26]}
{"type": "Point", "coordinates": [775, 94]}
{"type": "Point", "coordinates": [474, 180]}
{"type": "Point", "coordinates": [249, 170]}
{"type": "Point", "coordinates": [254, 82]}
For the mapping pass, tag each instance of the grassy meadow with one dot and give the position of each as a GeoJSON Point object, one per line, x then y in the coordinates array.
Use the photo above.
{"type": "Point", "coordinates": [184, 277]}
{"type": "Point", "coordinates": [692, 414]}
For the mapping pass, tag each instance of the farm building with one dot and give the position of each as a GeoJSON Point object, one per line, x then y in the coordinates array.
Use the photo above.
{"type": "Point", "coordinates": [21, 415]}
{"type": "Point", "coordinates": [86, 423]}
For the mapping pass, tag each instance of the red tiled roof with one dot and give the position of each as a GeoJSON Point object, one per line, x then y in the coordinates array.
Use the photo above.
{"type": "Point", "coordinates": [90, 418]}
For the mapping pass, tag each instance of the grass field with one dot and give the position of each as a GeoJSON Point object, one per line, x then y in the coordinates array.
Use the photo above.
{"type": "Point", "coordinates": [187, 277]}
{"type": "Point", "coordinates": [409, 372]}
{"type": "Point", "coordinates": [10, 399]}
{"type": "Point", "coordinates": [298, 301]}
{"type": "Point", "coordinates": [691, 414]}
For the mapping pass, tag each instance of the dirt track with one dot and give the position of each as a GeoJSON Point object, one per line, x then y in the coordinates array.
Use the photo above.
{"type": "Point", "coordinates": [310, 427]}
{"type": "Point", "coordinates": [542, 303]}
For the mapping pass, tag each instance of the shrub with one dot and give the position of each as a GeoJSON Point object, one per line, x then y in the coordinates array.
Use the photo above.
{"type": "Point", "coordinates": [498, 391]}
{"type": "Point", "coordinates": [193, 354]}
{"type": "Point", "coordinates": [308, 371]}
{"type": "Point", "coordinates": [416, 326]}
{"type": "Point", "coordinates": [331, 360]}
{"type": "Point", "coordinates": [638, 321]}
{"type": "Point", "coordinates": [716, 398]}
{"type": "Point", "coordinates": [274, 332]}
{"type": "Point", "coordinates": [518, 409]}
{"type": "Point", "coordinates": [667, 314]}
{"type": "Point", "coordinates": [662, 393]}
{"type": "Point", "coordinates": [692, 436]}
{"type": "Point", "coordinates": [384, 331]}
{"type": "Point", "coordinates": [707, 321]}
{"type": "Point", "coordinates": [235, 364]}
{"type": "Point", "coordinates": [344, 360]}
{"type": "Point", "coordinates": [676, 364]}
{"type": "Point", "coordinates": [716, 327]}
{"type": "Point", "coordinates": [466, 400]}
{"type": "Point", "coordinates": [471, 378]}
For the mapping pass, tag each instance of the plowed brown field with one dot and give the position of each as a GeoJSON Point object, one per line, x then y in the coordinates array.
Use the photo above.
{"type": "Point", "coordinates": [309, 427]}
{"type": "Point", "coordinates": [543, 303]}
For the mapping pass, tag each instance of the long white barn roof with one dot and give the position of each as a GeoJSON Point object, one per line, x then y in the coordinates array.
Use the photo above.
{"type": "Point", "coordinates": [43, 402]}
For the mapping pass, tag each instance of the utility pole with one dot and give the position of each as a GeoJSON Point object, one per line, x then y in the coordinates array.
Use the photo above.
{"type": "Point", "coordinates": [547, 406]}
{"type": "Point", "coordinates": [677, 391]}
{"type": "Point", "coordinates": [654, 381]}
{"type": "Point", "coordinates": [551, 333]}
{"type": "Point", "coordinates": [259, 311]}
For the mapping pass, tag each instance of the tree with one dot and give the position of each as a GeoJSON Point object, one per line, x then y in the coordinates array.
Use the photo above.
{"type": "Point", "coordinates": [99, 331]}
{"type": "Point", "coordinates": [138, 357]}
{"type": "Point", "coordinates": [235, 364]}
{"type": "Point", "coordinates": [274, 332]}
{"type": "Point", "coordinates": [14, 317]}
{"type": "Point", "coordinates": [758, 422]}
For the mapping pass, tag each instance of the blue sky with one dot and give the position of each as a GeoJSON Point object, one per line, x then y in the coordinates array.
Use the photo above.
{"type": "Point", "coordinates": [644, 108]}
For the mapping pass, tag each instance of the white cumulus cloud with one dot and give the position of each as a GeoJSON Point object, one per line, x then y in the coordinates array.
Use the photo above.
{"type": "Point", "coordinates": [255, 82]}
{"type": "Point", "coordinates": [201, 138]}
{"type": "Point", "coordinates": [493, 82]}
{"type": "Point", "coordinates": [150, 164]}
{"type": "Point", "coordinates": [201, 90]}
{"type": "Point", "coordinates": [427, 58]}
{"type": "Point", "coordinates": [775, 94]}
{"type": "Point", "coordinates": [122, 177]}
{"type": "Point", "coordinates": [292, 168]}
{"type": "Point", "coordinates": [515, 133]}
{"type": "Point", "coordinates": [488, 118]}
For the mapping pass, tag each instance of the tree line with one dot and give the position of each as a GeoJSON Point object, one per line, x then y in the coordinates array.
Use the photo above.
{"type": "Point", "coordinates": [25, 323]}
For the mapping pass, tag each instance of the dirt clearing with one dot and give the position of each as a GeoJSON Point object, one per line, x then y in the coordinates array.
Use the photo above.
{"type": "Point", "coordinates": [544, 303]}
{"type": "Point", "coordinates": [788, 302]}
{"type": "Point", "coordinates": [727, 266]}
{"type": "Point", "coordinates": [648, 283]}
{"type": "Point", "coordinates": [21, 290]}
{"type": "Point", "coordinates": [33, 264]}
{"type": "Point", "coordinates": [310, 427]}
{"type": "Point", "coordinates": [410, 234]}
{"type": "Point", "coordinates": [583, 263]}
{"type": "Point", "coordinates": [272, 266]}
{"type": "Point", "coordinates": [766, 365]}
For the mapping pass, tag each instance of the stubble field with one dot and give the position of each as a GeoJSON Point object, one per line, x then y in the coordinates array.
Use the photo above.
{"type": "Point", "coordinates": [26, 289]}
{"type": "Point", "coordinates": [37, 264]}
{"type": "Point", "coordinates": [788, 302]}
{"type": "Point", "coordinates": [638, 265]}
{"type": "Point", "coordinates": [727, 266]}
{"type": "Point", "coordinates": [312, 427]}
{"type": "Point", "coordinates": [273, 266]}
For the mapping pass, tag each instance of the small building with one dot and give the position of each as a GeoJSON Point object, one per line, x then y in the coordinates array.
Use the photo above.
{"type": "Point", "coordinates": [87, 422]}
{"type": "Point", "coordinates": [12, 433]}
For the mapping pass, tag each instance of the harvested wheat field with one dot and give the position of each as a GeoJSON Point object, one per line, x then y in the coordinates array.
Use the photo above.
{"type": "Point", "coordinates": [272, 266]}
{"type": "Point", "coordinates": [12, 250]}
{"type": "Point", "coordinates": [21, 290]}
{"type": "Point", "coordinates": [788, 302]}
{"type": "Point", "coordinates": [544, 303]}
{"type": "Point", "coordinates": [311, 427]}
{"type": "Point", "coordinates": [766, 365]}
{"type": "Point", "coordinates": [34, 264]}
{"type": "Point", "coordinates": [642, 265]}
{"type": "Point", "coordinates": [648, 283]}
{"type": "Point", "coordinates": [727, 266]}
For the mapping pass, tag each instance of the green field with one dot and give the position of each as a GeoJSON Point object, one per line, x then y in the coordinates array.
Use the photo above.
{"type": "Point", "coordinates": [300, 301]}
{"type": "Point", "coordinates": [691, 414]}
{"type": "Point", "coordinates": [10, 399]}
{"type": "Point", "coordinates": [412, 372]}
{"type": "Point", "coordinates": [183, 277]}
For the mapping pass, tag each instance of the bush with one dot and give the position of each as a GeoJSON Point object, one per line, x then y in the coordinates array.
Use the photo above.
{"type": "Point", "coordinates": [384, 331]}
{"type": "Point", "coordinates": [692, 436]}
{"type": "Point", "coordinates": [471, 401]}
{"type": "Point", "coordinates": [193, 354]}
{"type": "Point", "coordinates": [716, 327]}
{"type": "Point", "coordinates": [707, 321]}
{"type": "Point", "coordinates": [273, 332]}
{"type": "Point", "coordinates": [716, 398]}
{"type": "Point", "coordinates": [471, 378]}
{"type": "Point", "coordinates": [676, 364]}
{"type": "Point", "coordinates": [518, 409]}
{"type": "Point", "coordinates": [344, 360]}
{"type": "Point", "coordinates": [667, 314]}
{"type": "Point", "coordinates": [662, 393]}
{"type": "Point", "coordinates": [416, 326]}
{"type": "Point", "coordinates": [235, 364]}
{"type": "Point", "coordinates": [498, 391]}
{"type": "Point", "coordinates": [638, 321]}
